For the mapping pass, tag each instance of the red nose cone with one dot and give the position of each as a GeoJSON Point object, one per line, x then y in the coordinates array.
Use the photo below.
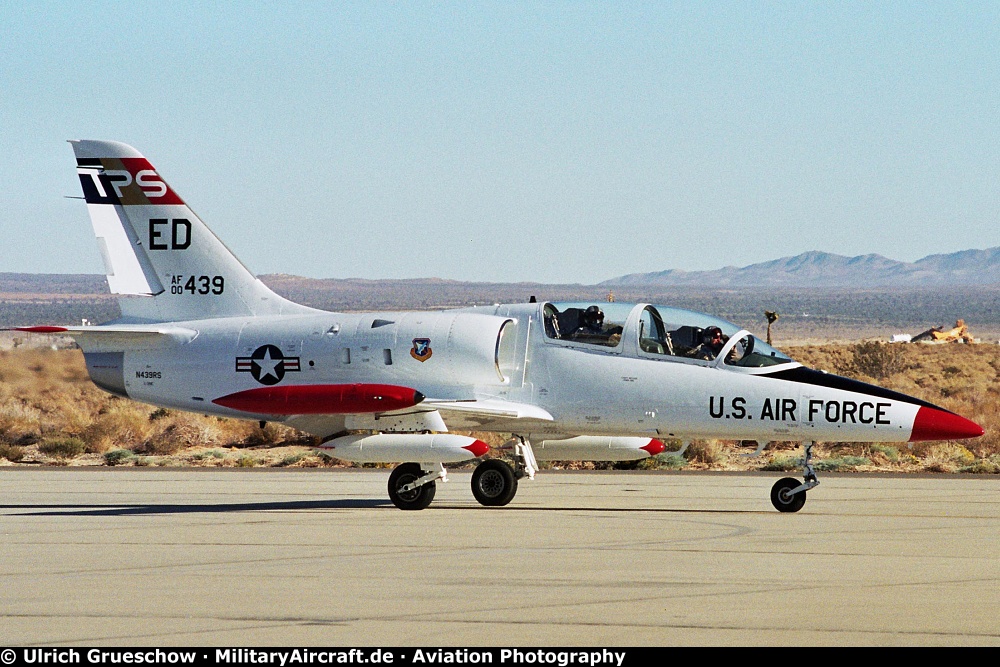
{"type": "Point", "coordinates": [478, 448]}
{"type": "Point", "coordinates": [654, 447]}
{"type": "Point", "coordinates": [931, 424]}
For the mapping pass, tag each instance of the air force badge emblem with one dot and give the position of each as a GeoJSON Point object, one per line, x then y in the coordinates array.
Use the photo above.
{"type": "Point", "coordinates": [421, 350]}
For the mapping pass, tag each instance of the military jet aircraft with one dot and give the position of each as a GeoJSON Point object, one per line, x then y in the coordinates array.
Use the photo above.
{"type": "Point", "coordinates": [568, 381]}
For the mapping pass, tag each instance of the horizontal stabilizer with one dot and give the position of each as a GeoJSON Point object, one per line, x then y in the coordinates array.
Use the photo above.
{"type": "Point", "coordinates": [116, 335]}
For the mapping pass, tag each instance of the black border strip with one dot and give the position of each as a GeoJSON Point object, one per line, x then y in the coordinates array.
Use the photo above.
{"type": "Point", "coordinates": [805, 375]}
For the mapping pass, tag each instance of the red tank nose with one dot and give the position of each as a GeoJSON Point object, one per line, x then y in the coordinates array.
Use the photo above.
{"type": "Point", "coordinates": [931, 424]}
{"type": "Point", "coordinates": [654, 447]}
{"type": "Point", "coordinates": [478, 448]}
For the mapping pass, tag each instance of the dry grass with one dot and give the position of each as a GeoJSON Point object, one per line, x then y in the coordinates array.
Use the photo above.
{"type": "Point", "coordinates": [49, 410]}
{"type": "Point", "coordinates": [46, 397]}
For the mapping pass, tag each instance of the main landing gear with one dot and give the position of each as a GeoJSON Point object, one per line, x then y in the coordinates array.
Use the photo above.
{"type": "Point", "coordinates": [412, 485]}
{"type": "Point", "coordinates": [788, 494]}
{"type": "Point", "coordinates": [494, 482]}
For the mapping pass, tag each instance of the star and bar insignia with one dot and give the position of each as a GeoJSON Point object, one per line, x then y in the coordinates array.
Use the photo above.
{"type": "Point", "coordinates": [267, 364]}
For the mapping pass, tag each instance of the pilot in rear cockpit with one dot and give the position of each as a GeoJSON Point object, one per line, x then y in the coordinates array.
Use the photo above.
{"type": "Point", "coordinates": [591, 322]}
{"type": "Point", "coordinates": [711, 345]}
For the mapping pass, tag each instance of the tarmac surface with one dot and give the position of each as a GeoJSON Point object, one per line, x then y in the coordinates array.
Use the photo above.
{"type": "Point", "coordinates": [227, 557]}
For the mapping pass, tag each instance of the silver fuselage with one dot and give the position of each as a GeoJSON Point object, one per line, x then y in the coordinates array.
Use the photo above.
{"type": "Point", "coordinates": [497, 353]}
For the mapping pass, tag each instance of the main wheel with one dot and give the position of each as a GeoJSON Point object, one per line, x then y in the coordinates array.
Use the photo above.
{"type": "Point", "coordinates": [493, 483]}
{"type": "Point", "coordinates": [782, 500]}
{"type": "Point", "coordinates": [415, 499]}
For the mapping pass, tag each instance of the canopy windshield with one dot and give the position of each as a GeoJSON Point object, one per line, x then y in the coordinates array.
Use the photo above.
{"type": "Point", "coordinates": [686, 333]}
{"type": "Point", "coordinates": [660, 331]}
{"type": "Point", "coordinates": [587, 322]}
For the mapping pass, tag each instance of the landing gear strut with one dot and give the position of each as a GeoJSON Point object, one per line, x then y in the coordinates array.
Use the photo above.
{"type": "Point", "coordinates": [412, 485]}
{"type": "Point", "coordinates": [788, 494]}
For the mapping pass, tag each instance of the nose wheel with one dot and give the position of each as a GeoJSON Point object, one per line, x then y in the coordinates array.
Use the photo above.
{"type": "Point", "coordinates": [784, 496]}
{"type": "Point", "coordinates": [789, 494]}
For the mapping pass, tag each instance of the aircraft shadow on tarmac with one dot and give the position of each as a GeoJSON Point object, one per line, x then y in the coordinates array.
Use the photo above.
{"type": "Point", "coordinates": [306, 505]}
{"type": "Point", "coordinates": [199, 508]}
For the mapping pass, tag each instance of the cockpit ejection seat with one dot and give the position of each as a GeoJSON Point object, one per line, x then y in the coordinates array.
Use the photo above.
{"type": "Point", "coordinates": [568, 321]}
{"type": "Point", "coordinates": [686, 338]}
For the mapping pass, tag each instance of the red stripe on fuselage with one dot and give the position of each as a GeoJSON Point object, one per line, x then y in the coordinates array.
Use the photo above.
{"type": "Point", "coordinates": [322, 399]}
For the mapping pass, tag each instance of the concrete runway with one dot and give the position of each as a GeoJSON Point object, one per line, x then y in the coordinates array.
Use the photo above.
{"type": "Point", "coordinates": [205, 557]}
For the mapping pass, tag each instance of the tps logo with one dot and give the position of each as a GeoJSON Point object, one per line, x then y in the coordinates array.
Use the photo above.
{"type": "Point", "coordinates": [146, 180]}
{"type": "Point", "coordinates": [421, 350]}
{"type": "Point", "coordinates": [123, 181]}
{"type": "Point", "coordinates": [267, 364]}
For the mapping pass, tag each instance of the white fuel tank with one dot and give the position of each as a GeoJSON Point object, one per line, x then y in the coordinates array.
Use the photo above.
{"type": "Point", "coordinates": [399, 447]}
{"type": "Point", "coordinates": [597, 448]}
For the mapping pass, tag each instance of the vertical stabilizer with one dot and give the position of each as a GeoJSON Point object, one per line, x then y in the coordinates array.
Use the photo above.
{"type": "Point", "coordinates": [161, 260]}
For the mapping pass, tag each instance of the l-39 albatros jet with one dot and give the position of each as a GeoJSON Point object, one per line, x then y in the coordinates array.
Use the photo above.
{"type": "Point", "coordinates": [568, 381]}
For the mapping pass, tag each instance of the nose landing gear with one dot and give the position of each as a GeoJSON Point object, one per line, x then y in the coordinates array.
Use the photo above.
{"type": "Point", "coordinates": [788, 494]}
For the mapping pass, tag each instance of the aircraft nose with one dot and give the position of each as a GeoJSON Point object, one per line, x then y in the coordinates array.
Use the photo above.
{"type": "Point", "coordinates": [932, 424]}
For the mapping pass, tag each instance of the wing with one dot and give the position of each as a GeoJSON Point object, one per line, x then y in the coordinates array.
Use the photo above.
{"type": "Point", "coordinates": [431, 415]}
{"type": "Point", "coordinates": [489, 414]}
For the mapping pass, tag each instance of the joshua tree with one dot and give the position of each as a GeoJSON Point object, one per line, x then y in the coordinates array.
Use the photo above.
{"type": "Point", "coordinates": [771, 317]}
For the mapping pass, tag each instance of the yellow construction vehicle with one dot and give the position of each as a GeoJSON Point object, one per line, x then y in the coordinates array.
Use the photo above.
{"type": "Point", "coordinates": [958, 334]}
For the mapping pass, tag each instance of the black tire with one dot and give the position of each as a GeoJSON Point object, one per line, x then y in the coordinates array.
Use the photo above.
{"type": "Point", "coordinates": [784, 502]}
{"type": "Point", "coordinates": [493, 483]}
{"type": "Point", "coordinates": [417, 499]}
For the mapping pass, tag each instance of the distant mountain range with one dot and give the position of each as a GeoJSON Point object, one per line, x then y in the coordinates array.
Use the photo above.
{"type": "Point", "coordinates": [823, 269]}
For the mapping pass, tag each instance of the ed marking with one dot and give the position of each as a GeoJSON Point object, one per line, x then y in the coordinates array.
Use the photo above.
{"type": "Point", "coordinates": [180, 234]}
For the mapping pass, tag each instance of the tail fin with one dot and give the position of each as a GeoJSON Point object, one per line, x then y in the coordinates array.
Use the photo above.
{"type": "Point", "coordinates": [162, 261]}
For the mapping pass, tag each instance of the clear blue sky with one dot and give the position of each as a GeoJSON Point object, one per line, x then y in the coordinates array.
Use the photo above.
{"type": "Point", "coordinates": [504, 141]}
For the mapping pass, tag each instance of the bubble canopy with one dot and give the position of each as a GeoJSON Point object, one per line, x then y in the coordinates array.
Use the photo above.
{"type": "Point", "coordinates": [658, 331]}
